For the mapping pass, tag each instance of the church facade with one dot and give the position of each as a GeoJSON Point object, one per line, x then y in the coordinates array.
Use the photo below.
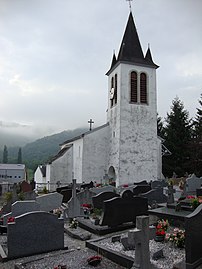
{"type": "Point", "coordinates": [126, 149]}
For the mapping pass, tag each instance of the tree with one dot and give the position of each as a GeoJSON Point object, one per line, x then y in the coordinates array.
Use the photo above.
{"type": "Point", "coordinates": [177, 137]}
{"type": "Point", "coordinates": [160, 127]}
{"type": "Point", "coordinates": [5, 155]}
{"type": "Point", "coordinates": [198, 122]}
{"type": "Point", "coordinates": [19, 156]}
{"type": "Point", "coordinates": [196, 143]}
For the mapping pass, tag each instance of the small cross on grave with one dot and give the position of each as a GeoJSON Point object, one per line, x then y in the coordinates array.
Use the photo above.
{"type": "Point", "coordinates": [170, 192]}
{"type": "Point", "coordinates": [90, 123]}
{"type": "Point", "coordinates": [141, 237]}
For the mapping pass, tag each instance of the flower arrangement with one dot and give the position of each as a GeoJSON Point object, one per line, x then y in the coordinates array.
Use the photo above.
{"type": "Point", "coordinates": [94, 260]}
{"type": "Point", "coordinates": [194, 201]}
{"type": "Point", "coordinates": [161, 227]}
{"type": "Point", "coordinates": [57, 212]}
{"type": "Point", "coordinates": [177, 237]}
{"type": "Point", "coordinates": [10, 220]}
{"type": "Point", "coordinates": [73, 224]}
{"type": "Point", "coordinates": [86, 206]}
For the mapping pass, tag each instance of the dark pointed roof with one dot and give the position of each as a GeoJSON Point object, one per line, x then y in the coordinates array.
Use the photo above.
{"type": "Point", "coordinates": [114, 60]}
{"type": "Point", "coordinates": [148, 57]}
{"type": "Point", "coordinates": [130, 49]}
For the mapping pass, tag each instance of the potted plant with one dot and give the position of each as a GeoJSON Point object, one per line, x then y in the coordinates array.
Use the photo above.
{"type": "Point", "coordinates": [177, 237]}
{"type": "Point", "coordinates": [161, 228]}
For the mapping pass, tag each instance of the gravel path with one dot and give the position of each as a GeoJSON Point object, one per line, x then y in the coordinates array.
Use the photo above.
{"type": "Point", "coordinates": [75, 257]}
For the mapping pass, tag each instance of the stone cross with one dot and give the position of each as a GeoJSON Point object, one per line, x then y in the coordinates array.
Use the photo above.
{"type": "Point", "coordinates": [141, 236]}
{"type": "Point", "coordinates": [91, 123]}
{"type": "Point", "coordinates": [170, 193]}
{"type": "Point", "coordinates": [74, 207]}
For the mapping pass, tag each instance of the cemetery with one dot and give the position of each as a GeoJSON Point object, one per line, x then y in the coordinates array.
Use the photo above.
{"type": "Point", "coordinates": [136, 226]}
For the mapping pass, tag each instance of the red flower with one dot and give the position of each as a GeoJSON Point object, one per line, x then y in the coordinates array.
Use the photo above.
{"type": "Point", "coordinates": [86, 205]}
{"type": "Point", "coordinates": [125, 185]}
{"type": "Point", "coordinates": [11, 219]}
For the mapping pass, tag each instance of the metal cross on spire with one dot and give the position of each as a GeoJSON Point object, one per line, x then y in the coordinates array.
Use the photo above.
{"type": "Point", "coordinates": [130, 4]}
{"type": "Point", "coordinates": [91, 123]}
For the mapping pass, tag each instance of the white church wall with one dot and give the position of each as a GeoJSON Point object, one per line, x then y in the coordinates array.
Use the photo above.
{"type": "Point", "coordinates": [60, 169]}
{"type": "Point", "coordinates": [134, 147]}
{"type": "Point", "coordinates": [95, 155]}
{"type": "Point", "coordinates": [138, 143]}
{"type": "Point", "coordinates": [38, 177]}
{"type": "Point", "coordinates": [77, 159]}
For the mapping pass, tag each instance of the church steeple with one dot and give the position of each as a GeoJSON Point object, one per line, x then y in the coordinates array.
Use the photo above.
{"type": "Point", "coordinates": [130, 50]}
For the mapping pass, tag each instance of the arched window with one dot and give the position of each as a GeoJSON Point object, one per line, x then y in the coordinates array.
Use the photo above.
{"type": "Point", "coordinates": [115, 89]}
{"type": "Point", "coordinates": [133, 87]}
{"type": "Point", "coordinates": [112, 87]}
{"type": "Point", "coordinates": [143, 88]}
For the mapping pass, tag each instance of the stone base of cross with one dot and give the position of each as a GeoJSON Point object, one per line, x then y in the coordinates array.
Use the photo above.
{"type": "Point", "coordinates": [141, 237]}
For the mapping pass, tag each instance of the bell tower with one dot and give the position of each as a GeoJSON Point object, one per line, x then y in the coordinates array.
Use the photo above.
{"type": "Point", "coordinates": [132, 111]}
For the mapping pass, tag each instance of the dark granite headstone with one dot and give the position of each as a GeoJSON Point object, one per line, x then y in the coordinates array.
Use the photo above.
{"type": "Point", "coordinates": [67, 194]}
{"type": "Point", "coordinates": [158, 184]}
{"type": "Point", "coordinates": [155, 195]}
{"type": "Point", "coordinates": [87, 185]}
{"type": "Point", "coordinates": [59, 189]}
{"type": "Point", "coordinates": [127, 194]}
{"type": "Point", "coordinates": [198, 192]}
{"type": "Point", "coordinates": [123, 209]}
{"type": "Point", "coordinates": [193, 239]}
{"type": "Point", "coordinates": [143, 182]}
{"type": "Point", "coordinates": [141, 189]}
{"type": "Point", "coordinates": [25, 187]}
{"type": "Point", "coordinates": [34, 233]}
{"type": "Point", "coordinates": [101, 197]}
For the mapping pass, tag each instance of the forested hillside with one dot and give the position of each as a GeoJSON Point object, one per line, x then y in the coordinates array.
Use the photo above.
{"type": "Point", "coordinates": [41, 150]}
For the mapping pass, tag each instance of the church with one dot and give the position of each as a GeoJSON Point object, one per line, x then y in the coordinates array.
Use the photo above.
{"type": "Point", "coordinates": [126, 149]}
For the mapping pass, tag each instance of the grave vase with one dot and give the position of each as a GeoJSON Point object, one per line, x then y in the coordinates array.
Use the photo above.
{"type": "Point", "coordinates": [159, 238]}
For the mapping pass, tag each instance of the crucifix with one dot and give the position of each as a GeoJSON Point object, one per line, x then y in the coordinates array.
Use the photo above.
{"type": "Point", "coordinates": [91, 123]}
{"type": "Point", "coordinates": [130, 4]}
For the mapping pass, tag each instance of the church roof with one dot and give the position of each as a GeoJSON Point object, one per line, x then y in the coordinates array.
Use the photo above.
{"type": "Point", "coordinates": [43, 170]}
{"type": "Point", "coordinates": [130, 49]}
{"type": "Point", "coordinates": [59, 154]}
{"type": "Point", "coordinates": [84, 134]}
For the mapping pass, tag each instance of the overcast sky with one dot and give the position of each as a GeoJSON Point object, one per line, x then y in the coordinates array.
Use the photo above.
{"type": "Point", "coordinates": [54, 55]}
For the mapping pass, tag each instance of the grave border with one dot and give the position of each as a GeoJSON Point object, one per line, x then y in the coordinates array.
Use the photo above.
{"type": "Point", "coordinates": [103, 230]}
{"type": "Point", "coordinates": [118, 258]}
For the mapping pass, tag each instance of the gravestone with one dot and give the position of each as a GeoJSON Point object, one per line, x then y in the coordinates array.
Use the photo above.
{"type": "Point", "coordinates": [87, 185]}
{"type": "Point", "coordinates": [141, 239]}
{"type": "Point", "coordinates": [67, 194]}
{"type": "Point", "coordinates": [199, 192]}
{"type": "Point", "coordinates": [59, 189]}
{"type": "Point", "coordinates": [156, 195]}
{"type": "Point", "coordinates": [49, 201]}
{"type": "Point", "coordinates": [159, 184]}
{"type": "Point", "coordinates": [129, 241]}
{"type": "Point", "coordinates": [141, 189]}
{"type": "Point", "coordinates": [33, 233]}
{"type": "Point", "coordinates": [193, 239]}
{"type": "Point", "coordinates": [170, 193]}
{"type": "Point", "coordinates": [25, 186]}
{"type": "Point", "coordinates": [103, 189]}
{"type": "Point", "coordinates": [143, 182]}
{"type": "Point", "coordinates": [193, 183]}
{"type": "Point", "coordinates": [20, 207]}
{"type": "Point", "coordinates": [74, 207]}
{"type": "Point", "coordinates": [85, 196]}
{"type": "Point", "coordinates": [101, 197]}
{"type": "Point", "coordinates": [119, 210]}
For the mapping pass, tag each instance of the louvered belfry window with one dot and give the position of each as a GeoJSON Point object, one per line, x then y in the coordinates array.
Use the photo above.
{"type": "Point", "coordinates": [115, 89]}
{"type": "Point", "coordinates": [143, 88]}
{"type": "Point", "coordinates": [133, 87]}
